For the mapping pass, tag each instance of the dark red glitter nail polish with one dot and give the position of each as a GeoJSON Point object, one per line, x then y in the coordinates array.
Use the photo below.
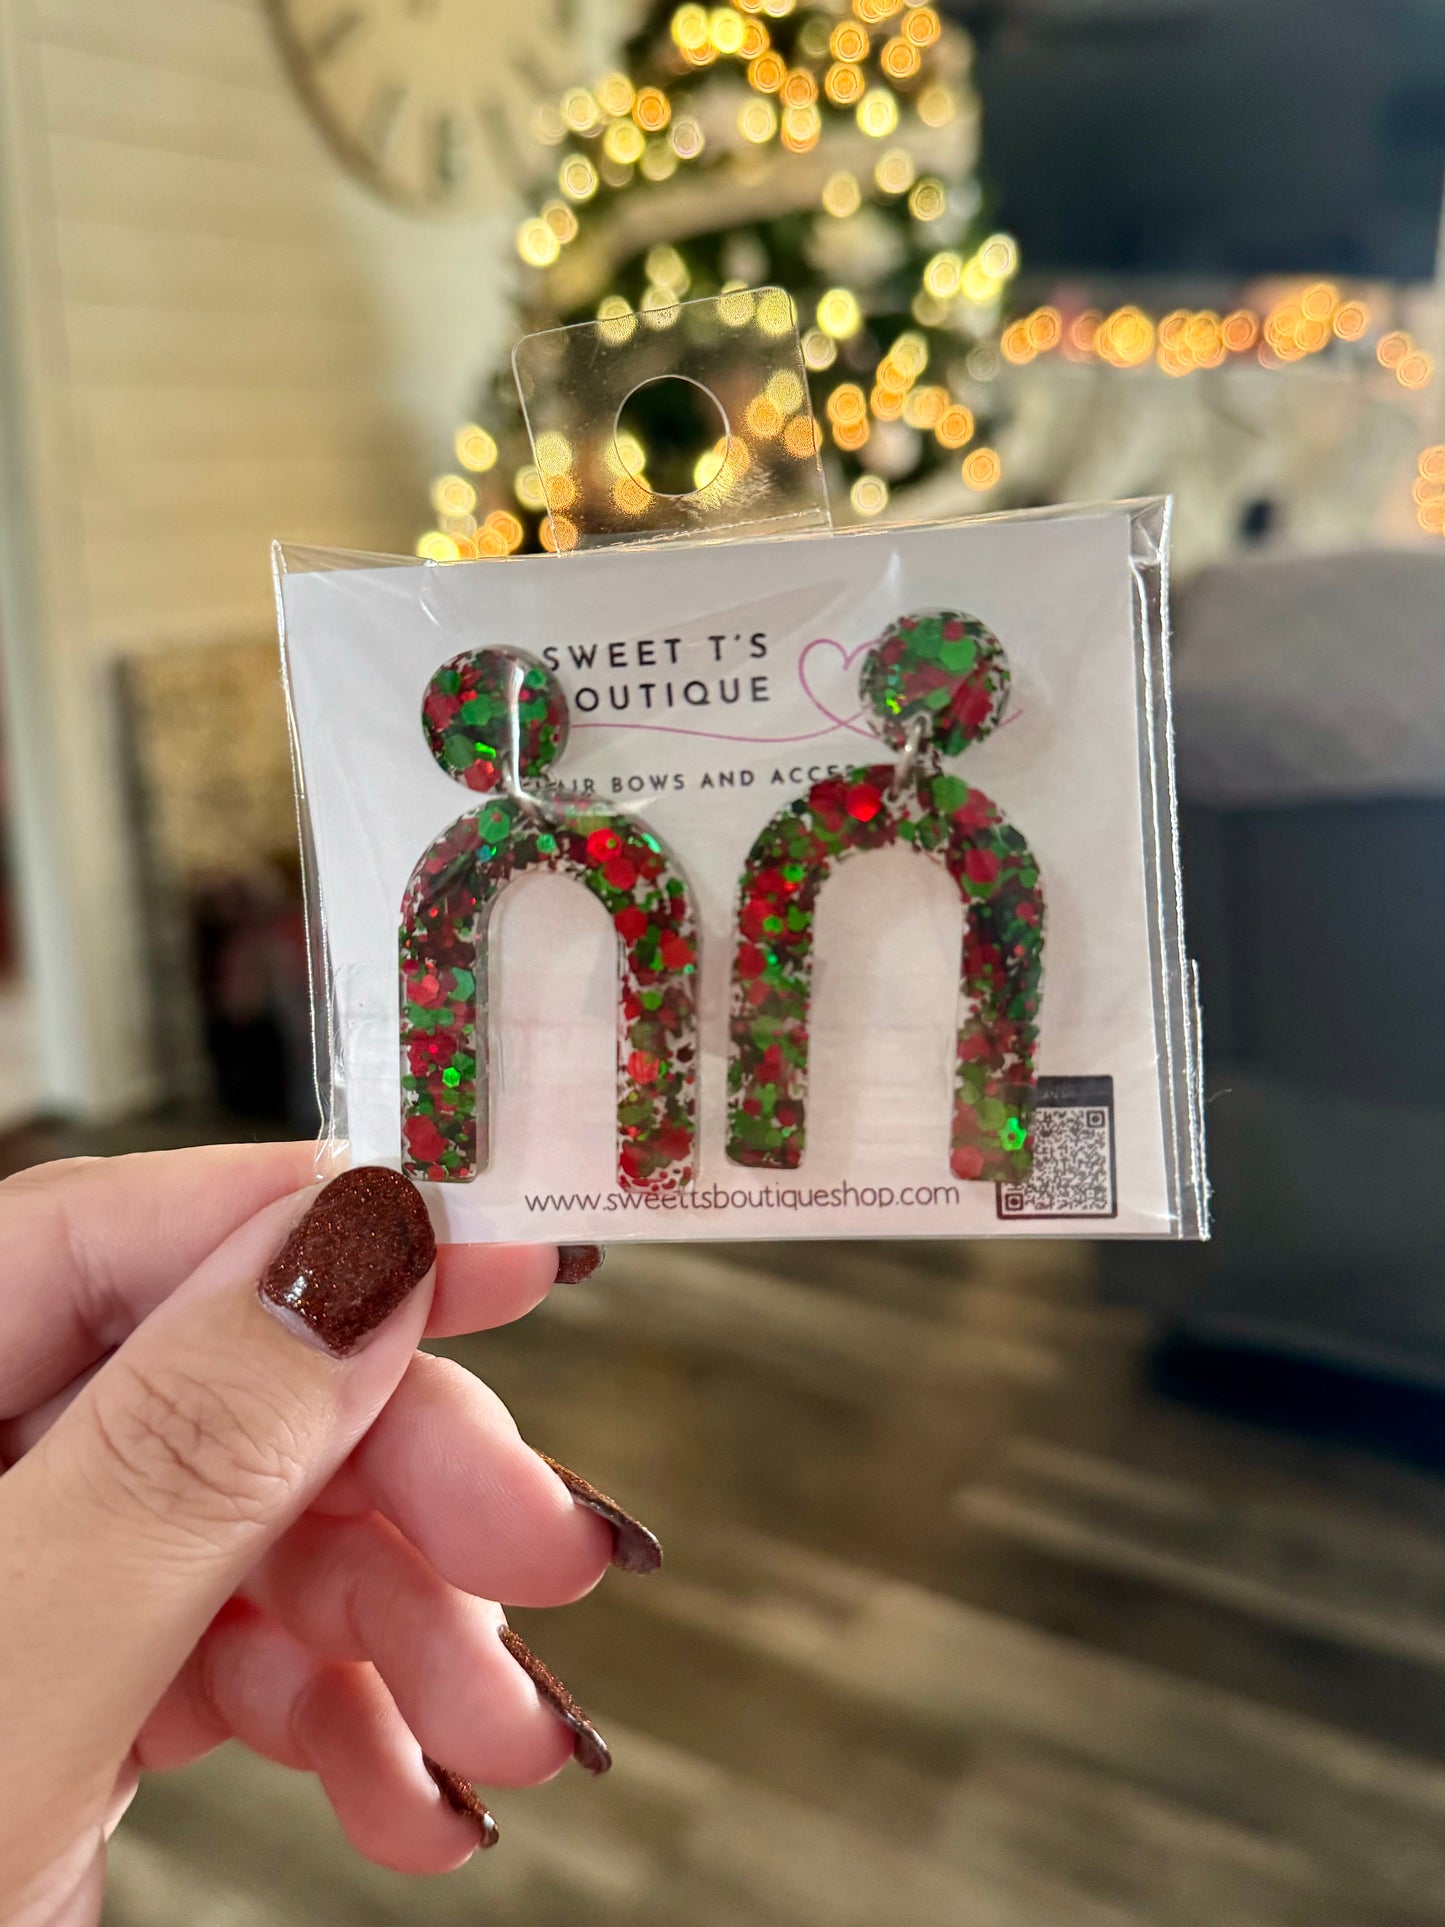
{"type": "Point", "coordinates": [589, 1749]}
{"type": "Point", "coordinates": [361, 1248]}
{"type": "Point", "coordinates": [576, 1262]}
{"type": "Point", "coordinates": [461, 1799]}
{"type": "Point", "coordinates": [634, 1548]}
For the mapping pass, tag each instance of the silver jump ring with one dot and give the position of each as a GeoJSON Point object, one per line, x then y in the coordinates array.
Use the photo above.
{"type": "Point", "coordinates": [908, 756]}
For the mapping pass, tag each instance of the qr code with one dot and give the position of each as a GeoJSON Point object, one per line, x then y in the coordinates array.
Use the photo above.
{"type": "Point", "coordinates": [1073, 1170]}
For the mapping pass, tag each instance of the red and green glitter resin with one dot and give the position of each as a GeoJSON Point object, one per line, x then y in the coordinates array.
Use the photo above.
{"type": "Point", "coordinates": [485, 714]}
{"type": "Point", "coordinates": [480, 708]}
{"type": "Point", "coordinates": [941, 681]}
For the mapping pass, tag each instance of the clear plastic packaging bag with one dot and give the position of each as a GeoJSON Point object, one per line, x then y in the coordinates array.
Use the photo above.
{"type": "Point", "coordinates": [593, 959]}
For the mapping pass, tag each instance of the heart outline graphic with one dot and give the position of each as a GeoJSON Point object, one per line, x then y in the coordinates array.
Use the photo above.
{"type": "Point", "coordinates": [849, 657]}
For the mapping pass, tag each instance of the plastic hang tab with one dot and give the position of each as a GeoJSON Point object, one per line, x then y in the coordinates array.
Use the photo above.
{"type": "Point", "coordinates": [685, 420]}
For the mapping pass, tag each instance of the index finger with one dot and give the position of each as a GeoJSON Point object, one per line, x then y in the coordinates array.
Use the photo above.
{"type": "Point", "coordinates": [91, 1246]}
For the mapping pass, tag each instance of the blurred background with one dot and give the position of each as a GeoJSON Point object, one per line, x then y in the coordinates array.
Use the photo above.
{"type": "Point", "coordinates": [1008, 1585]}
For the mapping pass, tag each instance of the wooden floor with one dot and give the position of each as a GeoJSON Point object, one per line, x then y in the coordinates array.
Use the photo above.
{"type": "Point", "coordinates": [961, 1623]}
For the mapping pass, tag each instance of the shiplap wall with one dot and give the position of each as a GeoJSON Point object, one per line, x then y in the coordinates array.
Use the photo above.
{"type": "Point", "coordinates": [211, 336]}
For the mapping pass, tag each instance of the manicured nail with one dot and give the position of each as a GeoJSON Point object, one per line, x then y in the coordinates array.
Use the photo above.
{"type": "Point", "coordinates": [461, 1799]}
{"type": "Point", "coordinates": [576, 1262]}
{"type": "Point", "coordinates": [634, 1548]}
{"type": "Point", "coordinates": [589, 1749]}
{"type": "Point", "coordinates": [361, 1248]}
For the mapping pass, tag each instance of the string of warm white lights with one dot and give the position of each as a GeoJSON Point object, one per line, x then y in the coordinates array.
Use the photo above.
{"type": "Point", "coordinates": [1297, 326]}
{"type": "Point", "coordinates": [1185, 341]}
{"type": "Point", "coordinates": [1429, 489]}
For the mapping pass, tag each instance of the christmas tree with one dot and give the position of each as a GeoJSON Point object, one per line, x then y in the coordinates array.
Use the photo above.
{"type": "Point", "coordinates": [825, 149]}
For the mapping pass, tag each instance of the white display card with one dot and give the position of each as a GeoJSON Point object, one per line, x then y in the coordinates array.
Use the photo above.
{"type": "Point", "coordinates": [708, 685]}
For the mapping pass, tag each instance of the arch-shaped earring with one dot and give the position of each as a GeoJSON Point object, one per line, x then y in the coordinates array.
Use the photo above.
{"type": "Point", "coordinates": [492, 718]}
{"type": "Point", "coordinates": [935, 683]}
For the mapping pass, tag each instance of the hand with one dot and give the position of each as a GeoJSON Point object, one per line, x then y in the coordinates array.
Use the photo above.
{"type": "Point", "coordinates": [262, 1514]}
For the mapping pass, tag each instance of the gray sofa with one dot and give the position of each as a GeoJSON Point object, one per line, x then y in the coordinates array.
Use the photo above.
{"type": "Point", "coordinates": [1310, 701]}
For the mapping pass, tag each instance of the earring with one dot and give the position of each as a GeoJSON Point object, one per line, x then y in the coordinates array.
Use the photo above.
{"type": "Point", "coordinates": [493, 718]}
{"type": "Point", "coordinates": [935, 683]}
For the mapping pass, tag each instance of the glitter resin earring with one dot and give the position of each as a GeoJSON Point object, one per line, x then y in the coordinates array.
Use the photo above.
{"type": "Point", "coordinates": [493, 718]}
{"type": "Point", "coordinates": [934, 683]}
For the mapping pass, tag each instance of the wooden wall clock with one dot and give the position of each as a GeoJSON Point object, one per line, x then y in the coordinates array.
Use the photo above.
{"type": "Point", "coordinates": [431, 101]}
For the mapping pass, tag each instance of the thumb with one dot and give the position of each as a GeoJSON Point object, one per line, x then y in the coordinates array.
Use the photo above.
{"type": "Point", "coordinates": [136, 1516]}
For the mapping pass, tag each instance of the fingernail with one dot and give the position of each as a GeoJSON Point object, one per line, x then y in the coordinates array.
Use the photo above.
{"type": "Point", "coordinates": [361, 1248]}
{"type": "Point", "coordinates": [461, 1799]}
{"type": "Point", "coordinates": [576, 1262]}
{"type": "Point", "coordinates": [589, 1749]}
{"type": "Point", "coordinates": [634, 1548]}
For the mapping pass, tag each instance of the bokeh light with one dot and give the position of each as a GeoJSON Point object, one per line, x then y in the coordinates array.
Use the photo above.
{"type": "Point", "coordinates": [475, 448]}
{"type": "Point", "coordinates": [802, 437]}
{"type": "Point", "coordinates": [615, 93]}
{"type": "Point", "coordinates": [1125, 338]}
{"type": "Point", "coordinates": [937, 106]}
{"type": "Point", "coordinates": [900, 59]}
{"type": "Point", "coordinates": [928, 200]}
{"type": "Point", "coordinates": [1351, 319]}
{"type": "Point", "coordinates": [725, 30]}
{"type": "Point", "coordinates": [757, 121]}
{"type": "Point", "coordinates": [527, 484]}
{"type": "Point", "coordinates": [844, 85]}
{"type": "Point", "coordinates": [580, 111]}
{"type": "Point", "coordinates": [686, 137]}
{"type": "Point", "coordinates": [924, 407]}
{"type": "Point", "coordinates": [869, 495]}
{"type": "Point", "coordinates": [894, 172]}
{"type": "Point", "coordinates": [943, 275]}
{"type": "Point", "coordinates": [775, 312]}
{"type": "Point", "coordinates": [562, 221]}
{"type": "Point", "coordinates": [507, 528]}
{"type": "Point", "coordinates": [577, 178]}
{"type": "Point", "coordinates": [558, 533]}
{"type": "Point", "coordinates": [1414, 369]}
{"type": "Point", "coordinates": [842, 195]}
{"type": "Point", "coordinates": [623, 142]}
{"type": "Point", "coordinates": [651, 110]}
{"type": "Point", "coordinates": [982, 468]}
{"type": "Point", "coordinates": [785, 390]}
{"type": "Point", "coordinates": [667, 269]}
{"type": "Point", "coordinates": [999, 256]}
{"type": "Point", "coordinates": [839, 314]}
{"type": "Point", "coordinates": [619, 323]}
{"type": "Point", "coordinates": [878, 113]}
{"type": "Point", "coordinates": [801, 128]}
{"type": "Point", "coordinates": [921, 26]}
{"type": "Point", "coordinates": [846, 403]}
{"type": "Point", "coordinates": [453, 495]}
{"type": "Point", "coordinates": [1392, 349]}
{"type": "Point", "coordinates": [762, 418]}
{"type": "Point", "coordinates": [537, 244]}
